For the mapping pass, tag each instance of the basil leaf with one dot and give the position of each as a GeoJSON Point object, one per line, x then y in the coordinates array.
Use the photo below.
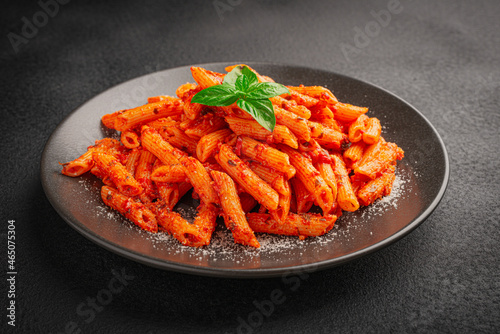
{"type": "Point", "coordinates": [265, 90]}
{"type": "Point", "coordinates": [218, 95]}
{"type": "Point", "coordinates": [231, 77]}
{"type": "Point", "coordinates": [252, 77]}
{"type": "Point", "coordinates": [242, 83]}
{"type": "Point", "coordinates": [261, 110]}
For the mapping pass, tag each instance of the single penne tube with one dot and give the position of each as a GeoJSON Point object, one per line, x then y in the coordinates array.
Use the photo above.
{"type": "Point", "coordinates": [205, 78]}
{"type": "Point", "coordinates": [267, 155]}
{"type": "Point", "coordinates": [317, 92]}
{"type": "Point", "coordinates": [109, 119]}
{"type": "Point", "coordinates": [296, 124]}
{"type": "Point", "coordinates": [162, 124]}
{"type": "Point", "coordinates": [208, 144]}
{"type": "Point", "coordinates": [373, 131]}
{"type": "Point", "coordinates": [332, 139]}
{"type": "Point", "coordinates": [327, 137]}
{"type": "Point", "coordinates": [377, 188]}
{"type": "Point", "coordinates": [130, 139]}
{"type": "Point", "coordinates": [304, 200]}
{"type": "Point", "coordinates": [302, 99]}
{"type": "Point", "coordinates": [251, 128]}
{"type": "Point", "coordinates": [154, 143]}
{"type": "Point", "coordinates": [346, 197]}
{"type": "Point", "coordinates": [281, 213]}
{"type": "Point", "coordinates": [173, 223]}
{"type": "Point", "coordinates": [301, 225]}
{"type": "Point", "coordinates": [246, 178]}
{"type": "Point", "coordinates": [311, 178]}
{"type": "Point", "coordinates": [200, 180]}
{"type": "Point", "coordinates": [169, 193]}
{"type": "Point", "coordinates": [133, 160]}
{"type": "Point", "coordinates": [147, 113]}
{"type": "Point", "coordinates": [80, 165]}
{"type": "Point", "coordinates": [234, 216]}
{"type": "Point", "coordinates": [270, 175]}
{"type": "Point", "coordinates": [175, 173]}
{"type": "Point", "coordinates": [192, 110]}
{"type": "Point", "coordinates": [111, 167]}
{"type": "Point", "coordinates": [136, 212]}
{"type": "Point", "coordinates": [283, 135]}
{"type": "Point", "coordinates": [357, 128]}
{"type": "Point", "coordinates": [347, 113]}
{"type": "Point", "coordinates": [143, 173]}
{"type": "Point", "coordinates": [354, 153]}
{"type": "Point", "coordinates": [323, 112]}
{"type": "Point", "coordinates": [205, 221]}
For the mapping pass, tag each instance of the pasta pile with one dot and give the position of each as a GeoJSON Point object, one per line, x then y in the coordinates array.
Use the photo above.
{"type": "Point", "coordinates": [322, 152]}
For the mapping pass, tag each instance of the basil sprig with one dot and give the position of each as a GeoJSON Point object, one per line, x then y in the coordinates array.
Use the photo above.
{"type": "Point", "coordinates": [242, 86]}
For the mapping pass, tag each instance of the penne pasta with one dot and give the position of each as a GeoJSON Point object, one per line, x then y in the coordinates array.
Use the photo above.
{"type": "Point", "coordinates": [149, 112]}
{"type": "Point", "coordinates": [377, 188]}
{"type": "Point", "coordinates": [320, 152]}
{"type": "Point", "coordinates": [154, 143]}
{"type": "Point", "coordinates": [271, 176]}
{"type": "Point", "coordinates": [117, 173]}
{"type": "Point", "coordinates": [181, 140]}
{"type": "Point", "coordinates": [175, 173]}
{"type": "Point", "coordinates": [303, 199]}
{"type": "Point", "coordinates": [357, 128]}
{"type": "Point", "coordinates": [311, 179]}
{"type": "Point", "coordinates": [354, 153]}
{"type": "Point", "coordinates": [84, 163]}
{"type": "Point", "coordinates": [345, 195]}
{"type": "Point", "coordinates": [296, 124]}
{"type": "Point", "coordinates": [346, 112]}
{"type": "Point", "coordinates": [234, 216]}
{"type": "Point", "coordinates": [377, 158]}
{"type": "Point", "coordinates": [132, 210]}
{"type": "Point", "coordinates": [130, 139]}
{"type": "Point", "coordinates": [246, 178]}
{"type": "Point", "coordinates": [173, 223]}
{"type": "Point", "coordinates": [208, 143]}
{"type": "Point", "coordinates": [301, 225]}
{"type": "Point", "coordinates": [206, 222]}
{"type": "Point", "coordinates": [373, 131]}
{"type": "Point", "coordinates": [200, 180]}
{"type": "Point", "coordinates": [143, 174]}
{"type": "Point", "coordinates": [317, 92]}
{"type": "Point", "coordinates": [267, 155]}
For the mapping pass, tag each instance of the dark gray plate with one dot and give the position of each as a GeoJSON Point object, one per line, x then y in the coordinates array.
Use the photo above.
{"type": "Point", "coordinates": [420, 185]}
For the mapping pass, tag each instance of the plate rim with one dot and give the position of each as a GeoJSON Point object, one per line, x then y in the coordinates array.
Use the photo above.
{"type": "Point", "coordinates": [246, 273]}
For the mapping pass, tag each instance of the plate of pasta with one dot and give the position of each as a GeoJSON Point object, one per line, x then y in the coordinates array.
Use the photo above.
{"type": "Point", "coordinates": [244, 170]}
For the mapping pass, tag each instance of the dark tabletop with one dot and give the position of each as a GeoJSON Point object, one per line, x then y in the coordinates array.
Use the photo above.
{"type": "Point", "coordinates": [442, 57]}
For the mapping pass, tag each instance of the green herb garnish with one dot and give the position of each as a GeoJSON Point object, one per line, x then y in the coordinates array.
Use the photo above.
{"type": "Point", "coordinates": [242, 86]}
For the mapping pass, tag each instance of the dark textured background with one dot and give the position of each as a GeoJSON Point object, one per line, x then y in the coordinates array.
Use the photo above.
{"type": "Point", "coordinates": [442, 57]}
